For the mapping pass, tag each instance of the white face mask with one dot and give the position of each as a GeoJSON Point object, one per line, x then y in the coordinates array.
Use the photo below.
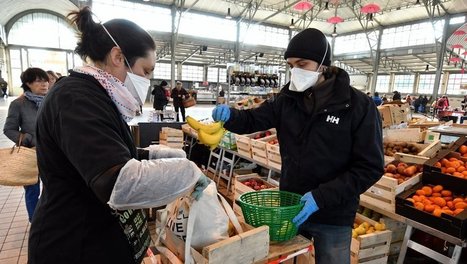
{"type": "Point", "coordinates": [303, 79]}
{"type": "Point", "coordinates": [138, 86]}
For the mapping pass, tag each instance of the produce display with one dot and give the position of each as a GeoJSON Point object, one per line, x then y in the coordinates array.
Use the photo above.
{"type": "Point", "coordinates": [401, 171]}
{"type": "Point", "coordinates": [462, 150]}
{"type": "Point", "coordinates": [436, 200]}
{"type": "Point", "coordinates": [273, 141]}
{"type": "Point", "coordinates": [366, 228]}
{"type": "Point", "coordinates": [256, 184]}
{"type": "Point", "coordinates": [262, 134]}
{"type": "Point", "coordinates": [369, 213]}
{"type": "Point", "coordinates": [391, 148]}
{"type": "Point", "coordinates": [452, 166]}
{"type": "Point", "coordinates": [208, 134]}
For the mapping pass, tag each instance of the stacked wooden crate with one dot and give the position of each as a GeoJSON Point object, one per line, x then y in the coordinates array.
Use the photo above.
{"type": "Point", "coordinates": [171, 137]}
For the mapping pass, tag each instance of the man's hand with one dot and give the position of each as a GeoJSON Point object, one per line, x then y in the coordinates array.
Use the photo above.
{"type": "Point", "coordinates": [308, 209]}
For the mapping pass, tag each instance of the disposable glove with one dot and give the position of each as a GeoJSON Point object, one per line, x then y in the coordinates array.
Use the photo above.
{"type": "Point", "coordinates": [221, 113]}
{"type": "Point", "coordinates": [200, 185]}
{"type": "Point", "coordinates": [161, 152]}
{"type": "Point", "coordinates": [308, 209]}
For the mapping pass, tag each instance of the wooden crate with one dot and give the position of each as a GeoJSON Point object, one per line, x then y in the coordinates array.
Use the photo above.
{"type": "Point", "coordinates": [244, 142]}
{"type": "Point", "coordinates": [405, 135]}
{"type": "Point", "coordinates": [240, 188]}
{"type": "Point", "coordinates": [274, 156]}
{"type": "Point", "coordinates": [383, 193]}
{"type": "Point", "coordinates": [426, 150]}
{"type": "Point", "coordinates": [371, 248]}
{"type": "Point", "coordinates": [258, 149]}
{"type": "Point", "coordinates": [236, 249]}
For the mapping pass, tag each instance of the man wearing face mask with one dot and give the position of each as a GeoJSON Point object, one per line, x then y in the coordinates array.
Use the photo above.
{"type": "Point", "coordinates": [95, 181]}
{"type": "Point", "coordinates": [330, 142]}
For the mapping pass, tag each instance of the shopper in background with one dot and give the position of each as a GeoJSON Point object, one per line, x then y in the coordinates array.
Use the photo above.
{"type": "Point", "coordinates": [160, 98]}
{"type": "Point", "coordinates": [378, 101]}
{"type": "Point", "coordinates": [21, 119]}
{"type": "Point", "coordinates": [179, 94]}
{"type": "Point", "coordinates": [95, 180]}
{"type": "Point", "coordinates": [423, 103]}
{"type": "Point", "coordinates": [408, 99]}
{"type": "Point", "coordinates": [396, 96]}
{"type": "Point", "coordinates": [331, 143]}
{"type": "Point", "coordinates": [417, 102]}
{"type": "Point", "coordinates": [3, 86]}
{"type": "Point", "coordinates": [53, 77]}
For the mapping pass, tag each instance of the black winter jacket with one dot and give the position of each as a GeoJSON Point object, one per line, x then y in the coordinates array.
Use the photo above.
{"type": "Point", "coordinates": [335, 152]}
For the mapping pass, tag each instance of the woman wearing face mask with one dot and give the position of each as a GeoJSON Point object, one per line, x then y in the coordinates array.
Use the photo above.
{"type": "Point", "coordinates": [330, 139]}
{"type": "Point", "coordinates": [95, 180]}
{"type": "Point", "coordinates": [21, 119]}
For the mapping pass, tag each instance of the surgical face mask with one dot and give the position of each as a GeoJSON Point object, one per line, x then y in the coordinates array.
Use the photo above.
{"type": "Point", "coordinates": [138, 86]}
{"type": "Point", "coordinates": [301, 79]}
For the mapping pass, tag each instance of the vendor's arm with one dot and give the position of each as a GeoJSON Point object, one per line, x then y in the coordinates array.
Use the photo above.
{"type": "Point", "coordinates": [366, 165]}
{"type": "Point", "coordinates": [252, 120]}
{"type": "Point", "coordinates": [88, 134]}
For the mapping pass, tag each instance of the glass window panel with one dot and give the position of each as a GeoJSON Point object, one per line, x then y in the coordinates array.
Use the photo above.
{"type": "Point", "coordinates": [351, 44]}
{"type": "Point", "coordinates": [219, 28]}
{"type": "Point", "coordinates": [162, 71]}
{"type": "Point", "coordinates": [259, 35]}
{"type": "Point", "coordinates": [192, 73]}
{"type": "Point", "coordinates": [30, 30]}
{"type": "Point", "coordinates": [426, 83]}
{"type": "Point", "coordinates": [146, 16]}
{"type": "Point", "coordinates": [382, 83]}
{"type": "Point", "coordinates": [404, 83]}
{"type": "Point", "coordinates": [454, 83]}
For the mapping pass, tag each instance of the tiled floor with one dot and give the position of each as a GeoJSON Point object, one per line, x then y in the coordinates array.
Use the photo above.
{"type": "Point", "coordinates": [14, 224]}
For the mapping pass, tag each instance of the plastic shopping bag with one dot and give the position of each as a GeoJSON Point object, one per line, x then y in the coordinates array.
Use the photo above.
{"type": "Point", "coordinates": [203, 222]}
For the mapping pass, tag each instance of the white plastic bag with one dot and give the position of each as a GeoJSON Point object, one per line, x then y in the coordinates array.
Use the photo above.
{"type": "Point", "coordinates": [203, 222]}
{"type": "Point", "coordinates": [153, 183]}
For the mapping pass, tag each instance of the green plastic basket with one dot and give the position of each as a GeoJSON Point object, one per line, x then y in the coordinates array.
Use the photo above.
{"type": "Point", "coordinates": [275, 209]}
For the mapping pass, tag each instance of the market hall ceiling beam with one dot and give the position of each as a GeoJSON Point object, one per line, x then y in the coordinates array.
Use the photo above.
{"type": "Point", "coordinates": [191, 55]}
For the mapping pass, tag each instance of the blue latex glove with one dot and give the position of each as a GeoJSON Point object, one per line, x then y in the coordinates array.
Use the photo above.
{"type": "Point", "coordinates": [221, 113]}
{"type": "Point", "coordinates": [308, 209]}
{"type": "Point", "coordinates": [200, 185]}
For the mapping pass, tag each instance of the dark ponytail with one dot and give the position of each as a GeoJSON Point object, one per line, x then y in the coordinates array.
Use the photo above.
{"type": "Point", "coordinates": [95, 44]}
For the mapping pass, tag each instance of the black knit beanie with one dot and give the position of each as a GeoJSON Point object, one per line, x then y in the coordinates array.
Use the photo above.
{"type": "Point", "coordinates": [164, 83]}
{"type": "Point", "coordinates": [309, 44]}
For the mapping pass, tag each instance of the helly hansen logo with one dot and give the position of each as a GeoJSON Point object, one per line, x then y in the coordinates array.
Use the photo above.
{"type": "Point", "coordinates": [332, 119]}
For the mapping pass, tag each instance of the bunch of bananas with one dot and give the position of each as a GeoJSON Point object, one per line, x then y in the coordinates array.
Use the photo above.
{"type": "Point", "coordinates": [208, 134]}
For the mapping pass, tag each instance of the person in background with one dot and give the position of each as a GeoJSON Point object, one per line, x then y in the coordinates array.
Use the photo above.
{"type": "Point", "coordinates": [408, 99]}
{"type": "Point", "coordinates": [21, 119]}
{"type": "Point", "coordinates": [417, 102]}
{"type": "Point", "coordinates": [314, 114]}
{"type": "Point", "coordinates": [95, 181]}
{"type": "Point", "coordinates": [3, 86]}
{"type": "Point", "coordinates": [396, 96]}
{"type": "Point", "coordinates": [179, 94]}
{"type": "Point", "coordinates": [53, 77]}
{"type": "Point", "coordinates": [221, 92]}
{"type": "Point", "coordinates": [423, 103]}
{"type": "Point", "coordinates": [378, 101]}
{"type": "Point", "coordinates": [160, 98]}
{"type": "Point", "coordinates": [368, 94]}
